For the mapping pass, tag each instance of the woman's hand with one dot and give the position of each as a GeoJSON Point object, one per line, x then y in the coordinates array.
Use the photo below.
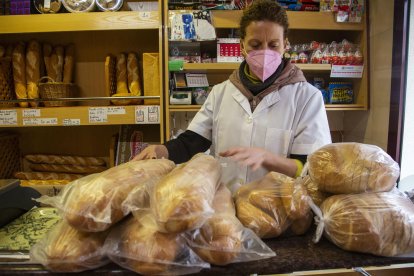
{"type": "Point", "coordinates": [152, 152]}
{"type": "Point", "coordinates": [252, 157]}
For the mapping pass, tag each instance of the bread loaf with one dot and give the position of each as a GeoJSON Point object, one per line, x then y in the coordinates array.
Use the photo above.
{"type": "Point", "coordinates": [56, 63]}
{"type": "Point", "coordinates": [182, 200]}
{"type": "Point", "coordinates": [66, 168]}
{"type": "Point", "coordinates": [47, 176]}
{"type": "Point", "coordinates": [134, 82]}
{"type": "Point", "coordinates": [69, 63]}
{"type": "Point", "coordinates": [65, 160]}
{"type": "Point", "coordinates": [94, 203]}
{"type": "Point", "coordinates": [376, 223]}
{"type": "Point", "coordinates": [121, 74]}
{"type": "Point", "coordinates": [65, 249]}
{"type": "Point", "coordinates": [269, 205]}
{"type": "Point", "coordinates": [33, 70]}
{"type": "Point", "coordinates": [137, 245]}
{"type": "Point", "coordinates": [19, 72]}
{"type": "Point", "coordinates": [47, 52]}
{"type": "Point", "coordinates": [313, 191]}
{"type": "Point", "coordinates": [343, 168]}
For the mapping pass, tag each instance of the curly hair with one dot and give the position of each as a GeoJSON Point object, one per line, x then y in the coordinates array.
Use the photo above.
{"type": "Point", "coordinates": [264, 10]}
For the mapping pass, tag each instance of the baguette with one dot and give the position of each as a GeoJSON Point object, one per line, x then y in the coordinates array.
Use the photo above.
{"type": "Point", "coordinates": [66, 168]}
{"type": "Point", "coordinates": [47, 52]}
{"type": "Point", "coordinates": [134, 82]}
{"type": "Point", "coordinates": [19, 72]}
{"type": "Point", "coordinates": [33, 70]}
{"type": "Point", "coordinates": [47, 176]}
{"type": "Point", "coordinates": [69, 63]}
{"type": "Point", "coordinates": [65, 159]}
{"type": "Point", "coordinates": [56, 63]}
{"type": "Point", "coordinates": [121, 81]}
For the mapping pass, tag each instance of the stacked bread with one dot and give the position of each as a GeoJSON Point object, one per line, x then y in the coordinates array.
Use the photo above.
{"type": "Point", "coordinates": [122, 78]}
{"type": "Point", "coordinates": [271, 205]}
{"type": "Point", "coordinates": [60, 167]}
{"type": "Point", "coordinates": [365, 215]}
{"type": "Point", "coordinates": [28, 64]}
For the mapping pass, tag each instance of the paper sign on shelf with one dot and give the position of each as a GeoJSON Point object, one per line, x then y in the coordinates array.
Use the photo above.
{"type": "Point", "coordinates": [71, 122]}
{"type": "Point", "coordinates": [31, 112]}
{"type": "Point", "coordinates": [98, 115]}
{"type": "Point", "coordinates": [40, 121]}
{"type": "Point", "coordinates": [347, 71]}
{"type": "Point", "coordinates": [147, 114]}
{"type": "Point", "coordinates": [8, 117]}
{"type": "Point", "coordinates": [118, 110]}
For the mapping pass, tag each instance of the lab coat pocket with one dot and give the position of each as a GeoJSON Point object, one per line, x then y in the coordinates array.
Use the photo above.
{"type": "Point", "coordinates": [277, 141]}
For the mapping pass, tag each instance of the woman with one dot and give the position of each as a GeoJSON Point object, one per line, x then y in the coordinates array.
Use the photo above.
{"type": "Point", "coordinates": [266, 117]}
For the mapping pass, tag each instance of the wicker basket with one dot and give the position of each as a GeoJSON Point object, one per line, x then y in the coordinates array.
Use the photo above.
{"type": "Point", "coordinates": [9, 155]}
{"type": "Point", "coordinates": [6, 82]}
{"type": "Point", "coordinates": [56, 90]}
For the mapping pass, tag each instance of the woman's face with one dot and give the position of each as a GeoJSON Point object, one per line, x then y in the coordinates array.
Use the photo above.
{"type": "Point", "coordinates": [261, 35]}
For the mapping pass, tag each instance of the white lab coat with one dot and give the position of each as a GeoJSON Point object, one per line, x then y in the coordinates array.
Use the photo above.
{"type": "Point", "coordinates": [291, 120]}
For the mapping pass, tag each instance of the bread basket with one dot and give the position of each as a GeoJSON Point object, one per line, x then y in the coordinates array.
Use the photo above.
{"type": "Point", "coordinates": [56, 90]}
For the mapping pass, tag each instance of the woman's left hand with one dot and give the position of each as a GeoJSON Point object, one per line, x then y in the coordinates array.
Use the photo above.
{"type": "Point", "coordinates": [252, 157]}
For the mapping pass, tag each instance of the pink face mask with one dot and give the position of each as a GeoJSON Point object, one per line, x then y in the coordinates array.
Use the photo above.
{"type": "Point", "coordinates": [263, 63]}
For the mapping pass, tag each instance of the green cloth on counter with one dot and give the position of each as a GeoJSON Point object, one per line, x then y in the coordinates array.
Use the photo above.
{"type": "Point", "coordinates": [25, 231]}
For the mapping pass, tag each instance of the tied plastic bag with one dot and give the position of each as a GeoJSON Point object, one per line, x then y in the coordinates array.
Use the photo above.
{"type": "Point", "coordinates": [95, 202]}
{"type": "Point", "coordinates": [223, 239]}
{"type": "Point", "coordinates": [65, 249]}
{"type": "Point", "coordinates": [272, 205]}
{"type": "Point", "coordinates": [182, 200]}
{"type": "Point", "coordinates": [137, 245]}
{"type": "Point", "coordinates": [344, 168]}
{"type": "Point", "coordinates": [377, 223]}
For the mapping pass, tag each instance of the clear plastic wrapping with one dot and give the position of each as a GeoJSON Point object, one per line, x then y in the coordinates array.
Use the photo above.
{"type": "Point", "coordinates": [65, 249]}
{"type": "Point", "coordinates": [223, 239]}
{"type": "Point", "coordinates": [182, 200]}
{"type": "Point", "coordinates": [95, 202]}
{"type": "Point", "coordinates": [376, 223]}
{"type": "Point", "coordinates": [343, 168]}
{"type": "Point", "coordinates": [137, 245]}
{"type": "Point", "coordinates": [270, 205]}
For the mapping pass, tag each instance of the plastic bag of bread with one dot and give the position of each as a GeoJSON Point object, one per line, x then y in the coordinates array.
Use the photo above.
{"type": "Point", "coordinates": [182, 200]}
{"type": "Point", "coordinates": [344, 168]}
{"type": "Point", "coordinates": [95, 202]}
{"type": "Point", "coordinates": [65, 249]}
{"type": "Point", "coordinates": [313, 190]}
{"type": "Point", "coordinates": [269, 205]}
{"type": "Point", "coordinates": [223, 239]}
{"type": "Point", "coordinates": [377, 223]}
{"type": "Point", "coordinates": [136, 244]}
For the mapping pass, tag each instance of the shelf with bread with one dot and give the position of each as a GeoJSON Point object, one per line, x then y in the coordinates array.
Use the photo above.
{"type": "Point", "coordinates": [304, 27]}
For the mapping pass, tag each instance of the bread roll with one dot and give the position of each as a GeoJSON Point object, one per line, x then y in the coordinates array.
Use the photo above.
{"type": "Point", "coordinates": [343, 168]}
{"type": "Point", "coordinates": [69, 63]}
{"type": "Point", "coordinates": [134, 82]}
{"type": "Point", "coordinates": [19, 72]}
{"type": "Point", "coordinates": [66, 168]}
{"type": "Point", "coordinates": [94, 203]}
{"type": "Point", "coordinates": [33, 70]}
{"type": "Point", "coordinates": [219, 240]}
{"type": "Point", "coordinates": [47, 52]}
{"type": "Point", "coordinates": [137, 245]}
{"type": "Point", "coordinates": [65, 160]}
{"type": "Point", "coordinates": [56, 63]}
{"type": "Point", "coordinates": [182, 200]}
{"type": "Point", "coordinates": [269, 205]}
{"type": "Point", "coordinates": [65, 249]}
{"type": "Point", "coordinates": [376, 223]}
{"type": "Point", "coordinates": [47, 176]}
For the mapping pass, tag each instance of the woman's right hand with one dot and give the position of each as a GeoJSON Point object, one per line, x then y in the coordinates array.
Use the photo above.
{"type": "Point", "coordinates": [152, 152]}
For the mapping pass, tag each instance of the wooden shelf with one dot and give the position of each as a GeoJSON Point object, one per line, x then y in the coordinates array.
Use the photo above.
{"type": "Point", "coordinates": [69, 22]}
{"type": "Point", "coordinates": [79, 116]}
{"type": "Point", "coordinates": [297, 20]}
{"type": "Point", "coordinates": [234, 65]}
{"type": "Point", "coordinates": [184, 108]}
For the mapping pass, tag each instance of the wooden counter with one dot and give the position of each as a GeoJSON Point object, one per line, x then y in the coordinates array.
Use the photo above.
{"type": "Point", "coordinates": [295, 255]}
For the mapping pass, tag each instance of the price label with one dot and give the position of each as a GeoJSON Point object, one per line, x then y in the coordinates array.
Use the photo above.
{"type": "Point", "coordinates": [119, 110]}
{"type": "Point", "coordinates": [98, 115]}
{"type": "Point", "coordinates": [8, 117]}
{"type": "Point", "coordinates": [40, 121]}
{"type": "Point", "coordinates": [147, 114]}
{"type": "Point", "coordinates": [347, 71]}
{"type": "Point", "coordinates": [71, 122]}
{"type": "Point", "coordinates": [31, 112]}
